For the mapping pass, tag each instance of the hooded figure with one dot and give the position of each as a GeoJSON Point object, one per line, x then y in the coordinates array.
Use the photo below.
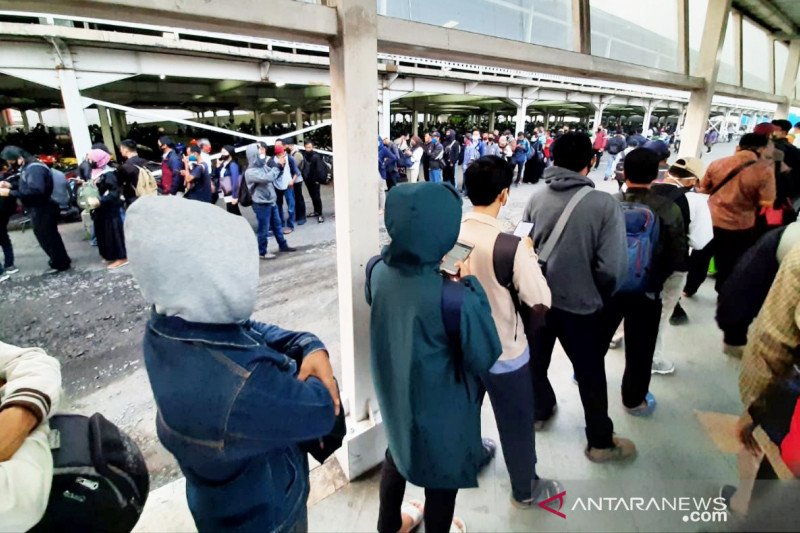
{"type": "Point", "coordinates": [107, 210]}
{"type": "Point", "coordinates": [259, 177]}
{"type": "Point", "coordinates": [230, 407]}
{"type": "Point", "coordinates": [432, 415]}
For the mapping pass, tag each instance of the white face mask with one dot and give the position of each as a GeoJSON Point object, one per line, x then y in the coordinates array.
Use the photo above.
{"type": "Point", "coordinates": [262, 156]}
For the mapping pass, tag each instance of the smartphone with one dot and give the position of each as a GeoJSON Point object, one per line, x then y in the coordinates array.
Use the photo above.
{"type": "Point", "coordinates": [524, 229]}
{"type": "Point", "coordinates": [460, 252]}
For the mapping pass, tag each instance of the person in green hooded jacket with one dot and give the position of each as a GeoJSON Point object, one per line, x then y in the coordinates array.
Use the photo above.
{"type": "Point", "coordinates": [427, 388]}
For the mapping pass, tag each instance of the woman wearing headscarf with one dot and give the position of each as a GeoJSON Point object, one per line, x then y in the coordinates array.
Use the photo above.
{"type": "Point", "coordinates": [227, 175]}
{"type": "Point", "coordinates": [107, 210]}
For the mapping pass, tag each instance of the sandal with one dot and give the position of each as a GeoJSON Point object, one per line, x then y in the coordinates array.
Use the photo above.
{"type": "Point", "coordinates": [458, 526]}
{"type": "Point", "coordinates": [415, 510]}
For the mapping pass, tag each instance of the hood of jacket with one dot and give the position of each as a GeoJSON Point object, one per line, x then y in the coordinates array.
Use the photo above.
{"type": "Point", "coordinates": [423, 221]}
{"type": "Point", "coordinates": [252, 156]}
{"type": "Point", "coordinates": [562, 179]}
{"type": "Point", "coordinates": [186, 278]}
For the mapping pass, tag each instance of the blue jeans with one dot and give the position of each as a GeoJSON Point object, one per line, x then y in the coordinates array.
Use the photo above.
{"type": "Point", "coordinates": [610, 166]}
{"type": "Point", "coordinates": [268, 215]}
{"type": "Point", "coordinates": [435, 175]}
{"type": "Point", "coordinates": [289, 195]}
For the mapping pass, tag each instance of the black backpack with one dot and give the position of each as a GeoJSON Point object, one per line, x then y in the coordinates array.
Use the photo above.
{"type": "Point", "coordinates": [100, 479]}
{"type": "Point", "coordinates": [245, 198]}
{"type": "Point", "coordinates": [28, 187]}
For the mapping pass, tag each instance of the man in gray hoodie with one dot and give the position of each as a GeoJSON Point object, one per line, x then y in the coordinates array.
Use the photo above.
{"type": "Point", "coordinates": [587, 265]}
{"type": "Point", "coordinates": [260, 178]}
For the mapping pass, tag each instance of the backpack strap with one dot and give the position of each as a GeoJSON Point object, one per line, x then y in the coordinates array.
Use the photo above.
{"type": "Point", "coordinates": [371, 264]}
{"type": "Point", "coordinates": [555, 236]}
{"type": "Point", "coordinates": [735, 172]}
{"type": "Point", "coordinates": [503, 255]}
{"type": "Point", "coordinates": [452, 302]}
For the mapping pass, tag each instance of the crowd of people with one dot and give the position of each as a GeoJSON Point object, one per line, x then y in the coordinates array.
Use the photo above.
{"type": "Point", "coordinates": [274, 178]}
{"type": "Point", "coordinates": [588, 268]}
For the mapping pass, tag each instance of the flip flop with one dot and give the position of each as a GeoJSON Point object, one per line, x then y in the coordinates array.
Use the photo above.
{"type": "Point", "coordinates": [458, 526]}
{"type": "Point", "coordinates": [415, 510]}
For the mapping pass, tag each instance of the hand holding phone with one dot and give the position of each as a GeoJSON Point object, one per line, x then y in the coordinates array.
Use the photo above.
{"type": "Point", "coordinates": [455, 258]}
{"type": "Point", "coordinates": [524, 229]}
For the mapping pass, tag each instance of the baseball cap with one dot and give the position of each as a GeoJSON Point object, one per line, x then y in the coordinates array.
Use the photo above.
{"type": "Point", "coordinates": [659, 147]}
{"type": "Point", "coordinates": [279, 149]}
{"type": "Point", "coordinates": [690, 165]}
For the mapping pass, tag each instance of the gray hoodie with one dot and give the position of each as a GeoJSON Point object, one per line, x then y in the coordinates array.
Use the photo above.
{"type": "Point", "coordinates": [590, 260]}
{"type": "Point", "coordinates": [260, 178]}
{"type": "Point", "coordinates": [206, 284]}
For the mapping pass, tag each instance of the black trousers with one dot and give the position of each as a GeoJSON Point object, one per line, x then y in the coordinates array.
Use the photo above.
{"type": "Point", "coordinates": [449, 175]}
{"type": "Point", "coordinates": [729, 246]}
{"type": "Point", "coordinates": [582, 338]}
{"type": "Point", "coordinates": [313, 187]}
{"type": "Point", "coordinates": [5, 240]}
{"type": "Point", "coordinates": [642, 315]}
{"type": "Point", "coordinates": [699, 260]}
{"type": "Point", "coordinates": [299, 202]}
{"type": "Point", "coordinates": [233, 209]}
{"type": "Point", "coordinates": [45, 227]}
{"type": "Point", "coordinates": [440, 504]}
{"type": "Point", "coordinates": [598, 155]}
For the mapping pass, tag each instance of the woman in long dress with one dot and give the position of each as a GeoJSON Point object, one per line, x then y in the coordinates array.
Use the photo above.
{"type": "Point", "coordinates": [107, 210]}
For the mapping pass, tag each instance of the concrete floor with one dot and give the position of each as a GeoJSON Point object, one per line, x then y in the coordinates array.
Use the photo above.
{"type": "Point", "coordinates": [676, 457]}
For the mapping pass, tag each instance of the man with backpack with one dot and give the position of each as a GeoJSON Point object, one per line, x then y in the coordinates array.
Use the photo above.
{"type": "Point", "coordinates": [432, 340]}
{"type": "Point", "coordinates": [657, 247]}
{"type": "Point", "coordinates": [738, 187]}
{"type": "Point", "coordinates": [508, 270]}
{"type": "Point", "coordinates": [452, 155]}
{"type": "Point", "coordinates": [614, 146]}
{"type": "Point", "coordinates": [171, 166]}
{"type": "Point", "coordinates": [35, 190]}
{"type": "Point", "coordinates": [131, 169]}
{"type": "Point", "coordinates": [580, 235]}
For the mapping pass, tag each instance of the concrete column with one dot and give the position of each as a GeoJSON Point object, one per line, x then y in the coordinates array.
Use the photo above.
{"type": "Point", "coordinates": [385, 115]}
{"type": "Point", "coordinates": [230, 115]}
{"type": "Point", "coordinates": [354, 110]}
{"type": "Point", "coordinates": [547, 120]}
{"type": "Point", "coordinates": [216, 118]}
{"type": "Point", "coordinates": [73, 105]}
{"type": "Point", "coordinates": [648, 117]}
{"type": "Point", "coordinates": [26, 127]}
{"type": "Point", "coordinates": [105, 128]}
{"type": "Point", "coordinates": [257, 118]}
{"type": "Point", "coordinates": [708, 67]}
{"type": "Point", "coordinates": [415, 119]}
{"type": "Point", "coordinates": [598, 115]}
{"type": "Point", "coordinates": [118, 131]}
{"type": "Point", "coordinates": [492, 118]}
{"type": "Point", "coordinates": [522, 113]}
{"type": "Point", "coordinates": [788, 83]}
{"type": "Point", "coordinates": [298, 118]}
{"type": "Point", "coordinates": [39, 114]}
{"type": "Point", "coordinates": [424, 121]}
{"type": "Point", "coordinates": [3, 121]}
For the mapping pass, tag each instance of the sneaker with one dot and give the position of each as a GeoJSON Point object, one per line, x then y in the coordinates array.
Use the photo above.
{"type": "Point", "coordinates": [4, 277]}
{"type": "Point", "coordinates": [733, 351]}
{"type": "Point", "coordinates": [288, 249]}
{"type": "Point", "coordinates": [662, 366]}
{"type": "Point", "coordinates": [287, 231]}
{"type": "Point", "coordinates": [679, 316]}
{"type": "Point", "coordinates": [647, 407]}
{"type": "Point", "coordinates": [489, 450]}
{"type": "Point", "coordinates": [11, 269]}
{"type": "Point", "coordinates": [268, 256]}
{"type": "Point", "coordinates": [320, 219]}
{"type": "Point", "coordinates": [543, 490]}
{"type": "Point", "coordinates": [621, 450]}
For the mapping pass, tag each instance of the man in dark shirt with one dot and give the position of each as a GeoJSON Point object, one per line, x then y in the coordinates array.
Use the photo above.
{"type": "Point", "coordinates": [196, 176]}
{"type": "Point", "coordinates": [791, 156]}
{"type": "Point", "coordinates": [128, 173]}
{"type": "Point", "coordinates": [642, 310]}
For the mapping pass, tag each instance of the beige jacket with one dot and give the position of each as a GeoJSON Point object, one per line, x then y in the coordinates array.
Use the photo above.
{"type": "Point", "coordinates": [482, 231]}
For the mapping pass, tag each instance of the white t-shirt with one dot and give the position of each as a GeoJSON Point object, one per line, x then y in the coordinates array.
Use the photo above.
{"type": "Point", "coordinates": [701, 230]}
{"type": "Point", "coordinates": [416, 155]}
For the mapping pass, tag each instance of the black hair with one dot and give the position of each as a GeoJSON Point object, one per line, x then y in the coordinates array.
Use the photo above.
{"type": "Point", "coordinates": [783, 124]}
{"type": "Point", "coordinates": [195, 149]}
{"type": "Point", "coordinates": [752, 141]}
{"type": "Point", "coordinates": [101, 146]}
{"type": "Point", "coordinates": [308, 141]}
{"type": "Point", "coordinates": [680, 173]}
{"type": "Point", "coordinates": [797, 124]}
{"type": "Point", "coordinates": [639, 130]}
{"type": "Point", "coordinates": [486, 178]}
{"type": "Point", "coordinates": [166, 141]}
{"type": "Point", "coordinates": [129, 144]}
{"type": "Point", "coordinates": [641, 166]}
{"type": "Point", "coordinates": [572, 151]}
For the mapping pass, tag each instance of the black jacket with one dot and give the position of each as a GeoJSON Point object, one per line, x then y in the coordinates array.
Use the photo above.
{"type": "Point", "coordinates": [128, 177]}
{"type": "Point", "coordinates": [314, 168]}
{"type": "Point", "coordinates": [35, 184]}
{"type": "Point", "coordinates": [436, 156]}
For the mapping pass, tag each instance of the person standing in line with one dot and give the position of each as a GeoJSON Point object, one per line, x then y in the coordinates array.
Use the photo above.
{"type": "Point", "coordinates": [426, 157]}
{"type": "Point", "coordinates": [417, 151]}
{"type": "Point", "coordinates": [427, 377]}
{"type": "Point", "coordinates": [34, 190]}
{"type": "Point", "coordinates": [107, 211]}
{"type": "Point", "coordinates": [196, 176]}
{"type": "Point", "coordinates": [171, 166]}
{"type": "Point", "coordinates": [520, 156]}
{"type": "Point", "coordinates": [284, 185]}
{"type": "Point", "coordinates": [261, 178]}
{"type": "Point", "coordinates": [229, 177]}
{"type": "Point", "coordinates": [128, 172]}
{"type": "Point", "coordinates": [738, 187]}
{"type": "Point", "coordinates": [587, 264]}
{"type": "Point", "coordinates": [508, 382]}
{"type": "Point", "coordinates": [391, 164]}
{"type": "Point", "coordinates": [236, 398]}
{"type": "Point", "coordinates": [315, 173]}
{"type": "Point", "coordinates": [8, 206]}
{"type": "Point", "coordinates": [299, 200]}
{"type": "Point", "coordinates": [451, 157]}
{"type": "Point", "coordinates": [614, 146]}
{"type": "Point", "coordinates": [710, 138]}
{"type": "Point", "coordinates": [641, 308]}
{"type": "Point", "coordinates": [599, 146]}
{"type": "Point", "coordinates": [435, 159]}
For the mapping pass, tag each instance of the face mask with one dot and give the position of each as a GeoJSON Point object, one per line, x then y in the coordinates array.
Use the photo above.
{"type": "Point", "coordinates": [193, 158]}
{"type": "Point", "coordinates": [224, 157]}
{"type": "Point", "coordinates": [434, 140]}
{"type": "Point", "coordinates": [262, 156]}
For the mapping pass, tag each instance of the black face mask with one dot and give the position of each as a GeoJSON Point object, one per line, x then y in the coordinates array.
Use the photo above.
{"type": "Point", "coordinates": [93, 164]}
{"type": "Point", "coordinates": [224, 157]}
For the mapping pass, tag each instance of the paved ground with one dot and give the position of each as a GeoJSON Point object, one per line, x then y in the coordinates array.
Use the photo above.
{"type": "Point", "coordinates": [92, 320]}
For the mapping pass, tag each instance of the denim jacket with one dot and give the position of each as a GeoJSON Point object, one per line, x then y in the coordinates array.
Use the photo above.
{"type": "Point", "coordinates": [232, 412]}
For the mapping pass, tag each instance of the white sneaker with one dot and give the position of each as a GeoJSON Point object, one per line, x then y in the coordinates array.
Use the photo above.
{"type": "Point", "coordinates": [662, 366]}
{"type": "Point", "coordinates": [4, 277]}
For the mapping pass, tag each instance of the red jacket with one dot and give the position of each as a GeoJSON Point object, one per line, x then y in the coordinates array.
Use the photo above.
{"type": "Point", "coordinates": [600, 141]}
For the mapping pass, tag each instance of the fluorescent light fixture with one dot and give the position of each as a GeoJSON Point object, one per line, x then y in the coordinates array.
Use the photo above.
{"type": "Point", "coordinates": [450, 24]}
{"type": "Point", "coordinates": [280, 83]}
{"type": "Point", "coordinates": [162, 76]}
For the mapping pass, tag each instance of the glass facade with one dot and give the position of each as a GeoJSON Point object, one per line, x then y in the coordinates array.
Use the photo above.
{"type": "Point", "coordinates": [642, 32]}
{"type": "Point", "coordinates": [755, 52]}
{"type": "Point", "coordinates": [781, 58]}
{"type": "Point", "coordinates": [544, 22]}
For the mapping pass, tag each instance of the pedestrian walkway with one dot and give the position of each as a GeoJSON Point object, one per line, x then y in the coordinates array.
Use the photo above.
{"type": "Point", "coordinates": [676, 458]}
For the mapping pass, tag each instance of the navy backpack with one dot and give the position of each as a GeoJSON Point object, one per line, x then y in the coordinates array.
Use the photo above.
{"type": "Point", "coordinates": [642, 230]}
